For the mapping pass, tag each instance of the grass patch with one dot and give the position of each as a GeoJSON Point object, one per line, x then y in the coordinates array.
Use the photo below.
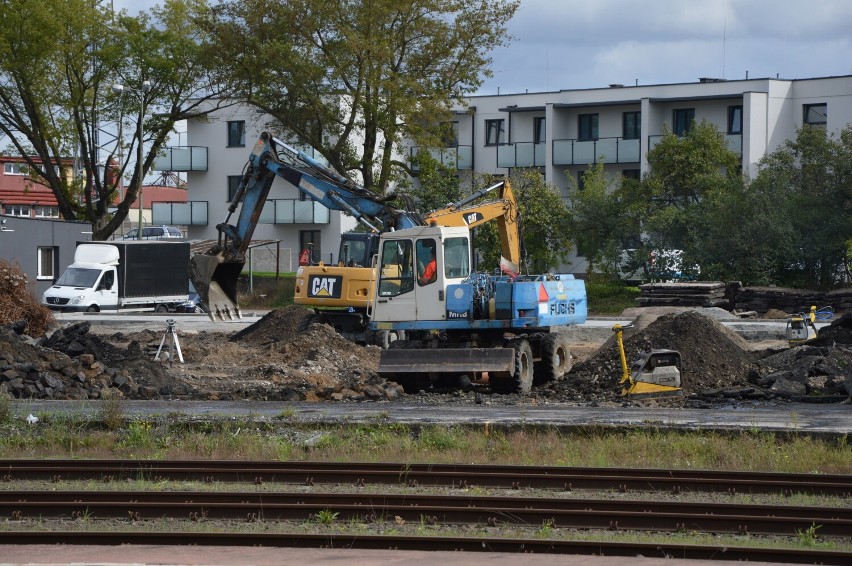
{"type": "Point", "coordinates": [610, 297]}
{"type": "Point", "coordinates": [61, 437]}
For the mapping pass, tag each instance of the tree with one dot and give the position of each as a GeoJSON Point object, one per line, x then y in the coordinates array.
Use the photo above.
{"type": "Point", "coordinates": [684, 170]}
{"type": "Point", "coordinates": [814, 173]}
{"type": "Point", "coordinates": [58, 61]}
{"type": "Point", "coordinates": [438, 184]}
{"type": "Point", "coordinates": [545, 224]}
{"type": "Point", "coordinates": [599, 221]}
{"type": "Point", "coordinates": [353, 78]}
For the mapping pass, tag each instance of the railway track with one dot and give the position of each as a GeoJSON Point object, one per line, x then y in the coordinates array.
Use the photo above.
{"type": "Point", "coordinates": [412, 475]}
{"type": "Point", "coordinates": [301, 493]}
{"type": "Point", "coordinates": [657, 516]}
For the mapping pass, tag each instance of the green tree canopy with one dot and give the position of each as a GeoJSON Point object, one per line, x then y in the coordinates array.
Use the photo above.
{"type": "Point", "coordinates": [353, 78]}
{"type": "Point", "coordinates": [58, 61]}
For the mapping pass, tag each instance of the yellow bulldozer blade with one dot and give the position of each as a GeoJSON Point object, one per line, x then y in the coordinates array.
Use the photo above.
{"type": "Point", "coordinates": [498, 362]}
{"type": "Point", "coordinates": [215, 281]}
{"type": "Point", "coordinates": [643, 390]}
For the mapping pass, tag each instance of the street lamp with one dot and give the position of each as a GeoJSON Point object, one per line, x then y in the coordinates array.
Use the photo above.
{"type": "Point", "coordinates": [146, 86]}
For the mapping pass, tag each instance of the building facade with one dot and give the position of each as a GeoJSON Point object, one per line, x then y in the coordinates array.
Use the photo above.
{"type": "Point", "coordinates": [215, 160]}
{"type": "Point", "coordinates": [558, 133]}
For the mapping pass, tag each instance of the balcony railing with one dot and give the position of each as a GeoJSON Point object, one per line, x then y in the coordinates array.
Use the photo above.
{"type": "Point", "coordinates": [460, 157]}
{"type": "Point", "coordinates": [584, 152]}
{"type": "Point", "coordinates": [191, 213]}
{"type": "Point", "coordinates": [293, 211]}
{"type": "Point", "coordinates": [181, 158]}
{"type": "Point", "coordinates": [521, 154]}
{"type": "Point", "coordinates": [734, 142]}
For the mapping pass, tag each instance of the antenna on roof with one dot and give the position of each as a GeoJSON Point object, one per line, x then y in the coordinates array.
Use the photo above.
{"type": "Point", "coordinates": [724, 39]}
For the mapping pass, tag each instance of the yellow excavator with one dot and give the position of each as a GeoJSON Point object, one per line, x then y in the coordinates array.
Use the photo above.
{"type": "Point", "coordinates": [654, 374]}
{"type": "Point", "coordinates": [341, 294]}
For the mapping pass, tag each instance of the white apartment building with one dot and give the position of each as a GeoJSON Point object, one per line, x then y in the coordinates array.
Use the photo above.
{"type": "Point", "coordinates": [559, 133]}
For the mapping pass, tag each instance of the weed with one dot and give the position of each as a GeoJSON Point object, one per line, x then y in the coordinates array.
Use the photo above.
{"type": "Point", "coordinates": [808, 537]}
{"type": "Point", "coordinates": [546, 529]}
{"type": "Point", "coordinates": [112, 410]}
{"type": "Point", "coordinates": [326, 517]}
{"type": "Point", "coordinates": [288, 413]}
{"type": "Point", "coordinates": [5, 408]}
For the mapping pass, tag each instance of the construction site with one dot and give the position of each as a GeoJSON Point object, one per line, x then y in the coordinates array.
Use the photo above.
{"type": "Point", "coordinates": [287, 355]}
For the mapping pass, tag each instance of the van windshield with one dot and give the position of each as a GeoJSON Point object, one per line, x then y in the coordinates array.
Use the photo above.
{"type": "Point", "coordinates": [78, 277]}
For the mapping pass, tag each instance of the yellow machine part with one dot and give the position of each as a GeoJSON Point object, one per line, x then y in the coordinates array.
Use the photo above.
{"type": "Point", "coordinates": [334, 286]}
{"type": "Point", "coordinates": [634, 389]}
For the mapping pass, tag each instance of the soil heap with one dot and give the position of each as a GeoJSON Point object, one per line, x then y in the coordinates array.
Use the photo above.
{"type": "Point", "coordinates": [18, 305]}
{"type": "Point", "coordinates": [714, 358]}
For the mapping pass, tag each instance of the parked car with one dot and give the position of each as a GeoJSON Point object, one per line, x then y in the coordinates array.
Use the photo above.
{"type": "Point", "coordinates": [155, 233]}
{"type": "Point", "coordinates": [193, 304]}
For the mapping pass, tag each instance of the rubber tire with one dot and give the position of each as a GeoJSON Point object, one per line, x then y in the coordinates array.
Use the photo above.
{"type": "Point", "coordinates": [161, 309]}
{"type": "Point", "coordinates": [93, 308]}
{"type": "Point", "coordinates": [555, 359]}
{"type": "Point", "coordinates": [522, 380]}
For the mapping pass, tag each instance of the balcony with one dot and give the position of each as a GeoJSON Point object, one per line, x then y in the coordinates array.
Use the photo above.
{"type": "Point", "coordinates": [293, 211]}
{"type": "Point", "coordinates": [191, 213]}
{"type": "Point", "coordinates": [734, 142]}
{"type": "Point", "coordinates": [606, 150]}
{"type": "Point", "coordinates": [181, 158]}
{"type": "Point", "coordinates": [521, 154]}
{"type": "Point", "coordinates": [460, 156]}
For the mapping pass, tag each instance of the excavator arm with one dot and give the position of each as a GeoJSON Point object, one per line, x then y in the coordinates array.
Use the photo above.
{"type": "Point", "coordinates": [504, 210]}
{"type": "Point", "coordinates": [215, 273]}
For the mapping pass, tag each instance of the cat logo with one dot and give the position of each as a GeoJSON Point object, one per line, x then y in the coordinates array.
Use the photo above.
{"type": "Point", "coordinates": [324, 286]}
{"type": "Point", "coordinates": [472, 217]}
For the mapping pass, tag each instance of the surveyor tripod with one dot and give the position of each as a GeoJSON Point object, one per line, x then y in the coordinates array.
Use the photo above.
{"type": "Point", "coordinates": [171, 335]}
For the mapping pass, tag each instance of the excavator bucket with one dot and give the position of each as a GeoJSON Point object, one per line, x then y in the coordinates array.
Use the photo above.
{"type": "Point", "coordinates": [499, 362]}
{"type": "Point", "coordinates": [215, 281]}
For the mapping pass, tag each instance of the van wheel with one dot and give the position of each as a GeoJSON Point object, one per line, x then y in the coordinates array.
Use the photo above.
{"type": "Point", "coordinates": [161, 309]}
{"type": "Point", "coordinates": [93, 308]}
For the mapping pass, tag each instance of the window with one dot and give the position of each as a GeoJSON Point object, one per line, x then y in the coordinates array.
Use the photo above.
{"type": "Point", "coordinates": [15, 169]}
{"type": "Point", "coordinates": [456, 257]}
{"type": "Point", "coordinates": [450, 134]}
{"type": "Point", "coordinates": [46, 212]}
{"type": "Point", "coordinates": [427, 272]}
{"type": "Point", "coordinates": [310, 240]}
{"type": "Point", "coordinates": [233, 185]}
{"type": "Point", "coordinates": [634, 174]}
{"type": "Point", "coordinates": [735, 119]}
{"type": "Point", "coordinates": [581, 181]}
{"type": "Point", "coordinates": [587, 127]}
{"type": "Point", "coordinates": [237, 134]}
{"type": "Point", "coordinates": [396, 272]}
{"type": "Point", "coordinates": [494, 132]}
{"type": "Point", "coordinates": [539, 132]}
{"type": "Point", "coordinates": [631, 125]}
{"type": "Point", "coordinates": [815, 115]}
{"type": "Point", "coordinates": [47, 259]}
{"type": "Point", "coordinates": [17, 210]}
{"type": "Point", "coordinates": [683, 118]}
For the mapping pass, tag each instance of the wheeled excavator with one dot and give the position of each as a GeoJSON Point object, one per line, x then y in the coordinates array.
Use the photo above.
{"type": "Point", "coordinates": [466, 328]}
{"type": "Point", "coordinates": [215, 273]}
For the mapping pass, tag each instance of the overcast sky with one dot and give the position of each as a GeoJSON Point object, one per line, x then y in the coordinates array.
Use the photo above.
{"type": "Point", "coordinates": [570, 44]}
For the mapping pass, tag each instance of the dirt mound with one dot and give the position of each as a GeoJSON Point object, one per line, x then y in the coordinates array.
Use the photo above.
{"type": "Point", "coordinates": [839, 330]}
{"type": "Point", "coordinates": [279, 325]}
{"type": "Point", "coordinates": [775, 314]}
{"type": "Point", "coordinates": [713, 356]}
{"type": "Point", "coordinates": [18, 304]}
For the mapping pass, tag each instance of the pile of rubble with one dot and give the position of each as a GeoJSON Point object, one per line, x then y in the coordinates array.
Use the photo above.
{"type": "Point", "coordinates": [70, 363]}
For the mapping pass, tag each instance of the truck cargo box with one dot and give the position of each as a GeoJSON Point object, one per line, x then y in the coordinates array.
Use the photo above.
{"type": "Point", "coordinates": [151, 268]}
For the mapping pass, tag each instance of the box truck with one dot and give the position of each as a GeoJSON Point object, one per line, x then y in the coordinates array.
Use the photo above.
{"type": "Point", "coordinates": [132, 275]}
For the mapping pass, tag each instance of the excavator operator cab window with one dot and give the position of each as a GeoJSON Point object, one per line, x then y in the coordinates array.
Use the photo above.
{"type": "Point", "coordinates": [456, 258]}
{"type": "Point", "coordinates": [396, 271]}
{"type": "Point", "coordinates": [427, 266]}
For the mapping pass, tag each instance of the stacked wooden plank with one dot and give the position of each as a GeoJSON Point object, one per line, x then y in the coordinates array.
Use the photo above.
{"type": "Point", "coordinates": [788, 300]}
{"type": "Point", "coordinates": [692, 294]}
